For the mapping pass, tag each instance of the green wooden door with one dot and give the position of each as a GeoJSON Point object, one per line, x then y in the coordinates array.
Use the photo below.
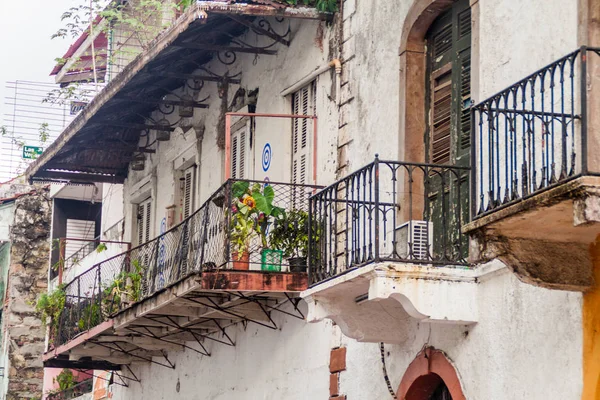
{"type": "Point", "coordinates": [447, 138]}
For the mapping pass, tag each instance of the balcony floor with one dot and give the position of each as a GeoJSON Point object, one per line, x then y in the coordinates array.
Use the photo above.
{"type": "Point", "coordinates": [189, 314]}
{"type": "Point", "coordinates": [380, 302]}
{"type": "Point", "coordinates": [545, 237]}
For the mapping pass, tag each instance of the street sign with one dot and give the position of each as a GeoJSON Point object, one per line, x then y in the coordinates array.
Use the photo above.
{"type": "Point", "coordinates": [77, 106]}
{"type": "Point", "coordinates": [32, 152]}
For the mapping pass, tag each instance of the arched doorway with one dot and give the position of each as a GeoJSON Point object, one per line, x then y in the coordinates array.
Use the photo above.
{"type": "Point", "coordinates": [430, 376]}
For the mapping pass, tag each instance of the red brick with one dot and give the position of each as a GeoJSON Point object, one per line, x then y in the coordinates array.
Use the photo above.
{"type": "Point", "coordinates": [337, 360]}
{"type": "Point", "coordinates": [334, 384]}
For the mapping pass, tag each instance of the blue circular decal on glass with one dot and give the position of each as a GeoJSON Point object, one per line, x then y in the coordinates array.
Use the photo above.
{"type": "Point", "coordinates": [266, 157]}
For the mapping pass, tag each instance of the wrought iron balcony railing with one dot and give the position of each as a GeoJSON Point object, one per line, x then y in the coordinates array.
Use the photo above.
{"type": "Point", "coordinates": [74, 392]}
{"type": "Point", "coordinates": [531, 136]}
{"type": "Point", "coordinates": [245, 225]}
{"type": "Point", "coordinates": [389, 211]}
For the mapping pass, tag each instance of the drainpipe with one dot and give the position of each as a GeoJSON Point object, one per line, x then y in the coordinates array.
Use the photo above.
{"type": "Point", "coordinates": [335, 63]}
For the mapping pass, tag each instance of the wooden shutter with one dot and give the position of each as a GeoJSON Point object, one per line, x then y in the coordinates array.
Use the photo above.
{"type": "Point", "coordinates": [449, 70]}
{"type": "Point", "coordinates": [303, 103]}
{"type": "Point", "coordinates": [240, 149]}
{"type": "Point", "coordinates": [188, 191]}
{"type": "Point", "coordinates": [143, 221]}
{"type": "Point", "coordinates": [78, 229]}
{"type": "Point", "coordinates": [441, 117]}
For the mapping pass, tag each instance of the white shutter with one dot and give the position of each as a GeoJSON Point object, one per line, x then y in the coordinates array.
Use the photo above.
{"type": "Point", "coordinates": [78, 229]}
{"type": "Point", "coordinates": [188, 192]}
{"type": "Point", "coordinates": [240, 149]}
{"type": "Point", "coordinates": [143, 221]}
{"type": "Point", "coordinates": [303, 103]}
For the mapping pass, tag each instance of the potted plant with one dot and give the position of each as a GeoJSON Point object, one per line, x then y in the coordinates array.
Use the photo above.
{"type": "Point", "coordinates": [290, 235]}
{"type": "Point", "coordinates": [242, 224]}
{"type": "Point", "coordinates": [252, 214]}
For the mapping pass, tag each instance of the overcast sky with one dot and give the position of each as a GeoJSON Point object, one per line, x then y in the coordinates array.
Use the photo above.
{"type": "Point", "coordinates": [26, 50]}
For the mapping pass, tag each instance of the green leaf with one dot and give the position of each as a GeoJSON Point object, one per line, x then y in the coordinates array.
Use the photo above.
{"type": "Point", "coordinates": [239, 188]}
{"type": "Point", "coordinates": [262, 203]}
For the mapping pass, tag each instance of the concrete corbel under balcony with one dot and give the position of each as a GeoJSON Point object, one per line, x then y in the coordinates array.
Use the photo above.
{"type": "Point", "coordinates": [381, 302]}
{"type": "Point", "coordinates": [544, 239]}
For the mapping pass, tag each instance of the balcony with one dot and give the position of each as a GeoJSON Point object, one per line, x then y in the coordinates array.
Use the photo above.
{"type": "Point", "coordinates": [536, 183]}
{"type": "Point", "coordinates": [89, 254]}
{"type": "Point", "coordinates": [238, 258]}
{"type": "Point", "coordinates": [386, 247]}
{"type": "Point", "coordinates": [80, 391]}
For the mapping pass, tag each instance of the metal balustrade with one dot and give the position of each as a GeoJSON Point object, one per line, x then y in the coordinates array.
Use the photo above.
{"type": "Point", "coordinates": [389, 211]}
{"type": "Point", "coordinates": [202, 242]}
{"type": "Point", "coordinates": [531, 136]}
{"type": "Point", "coordinates": [81, 388]}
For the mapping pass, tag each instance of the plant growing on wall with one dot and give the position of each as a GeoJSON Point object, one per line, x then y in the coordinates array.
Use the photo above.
{"type": "Point", "coordinates": [51, 306]}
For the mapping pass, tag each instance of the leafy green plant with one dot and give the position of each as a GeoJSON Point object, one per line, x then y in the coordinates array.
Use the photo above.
{"type": "Point", "coordinates": [66, 380]}
{"type": "Point", "coordinates": [101, 247]}
{"type": "Point", "coordinates": [91, 316]}
{"type": "Point", "coordinates": [252, 213]}
{"type": "Point", "coordinates": [51, 306]}
{"type": "Point", "coordinates": [321, 5]}
{"type": "Point", "coordinates": [126, 286]}
{"type": "Point", "coordinates": [290, 233]}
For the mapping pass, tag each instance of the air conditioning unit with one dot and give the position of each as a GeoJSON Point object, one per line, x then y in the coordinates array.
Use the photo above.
{"type": "Point", "coordinates": [414, 240]}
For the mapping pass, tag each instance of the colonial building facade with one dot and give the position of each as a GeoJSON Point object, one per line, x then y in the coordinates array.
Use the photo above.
{"type": "Point", "coordinates": [385, 199]}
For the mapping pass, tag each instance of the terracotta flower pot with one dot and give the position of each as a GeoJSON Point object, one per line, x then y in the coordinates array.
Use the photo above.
{"type": "Point", "coordinates": [240, 262]}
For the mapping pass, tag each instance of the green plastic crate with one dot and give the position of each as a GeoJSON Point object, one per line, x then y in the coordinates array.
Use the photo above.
{"type": "Point", "coordinates": [271, 260]}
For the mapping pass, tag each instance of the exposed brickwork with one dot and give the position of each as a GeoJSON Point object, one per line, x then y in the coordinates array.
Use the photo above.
{"type": "Point", "coordinates": [334, 385]}
{"type": "Point", "coordinates": [337, 360]}
{"type": "Point", "coordinates": [28, 274]}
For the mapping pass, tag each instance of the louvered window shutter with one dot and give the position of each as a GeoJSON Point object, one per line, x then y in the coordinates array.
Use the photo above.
{"type": "Point", "coordinates": [78, 229]}
{"type": "Point", "coordinates": [440, 118]}
{"type": "Point", "coordinates": [140, 223]}
{"type": "Point", "coordinates": [449, 66]}
{"type": "Point", "coordinates": [239, 152]}
{"type": "Point", "coordinates": [303, 103]}
{"type": "Point", "coordinates": [188, 192]}
{"type": "Point", "coordinates": [143, 222]}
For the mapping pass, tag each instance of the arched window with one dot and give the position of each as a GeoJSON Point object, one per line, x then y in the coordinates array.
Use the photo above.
{"type": "Point", "coordinates": [448, 85]}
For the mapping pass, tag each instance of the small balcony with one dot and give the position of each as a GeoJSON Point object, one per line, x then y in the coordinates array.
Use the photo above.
{"type": "Point", "coordinates": [88, 254]}
{"type": "Point", "coordinates": [239, 258]}
{"type": "Point", "coordinates": [536, 182]}
{"type": "Point", "coordinates": [80, 391]}
{"type": "Point", "coordinates": [386, 247]}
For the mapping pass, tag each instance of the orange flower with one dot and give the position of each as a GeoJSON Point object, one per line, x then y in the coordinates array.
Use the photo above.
{"type": "Point", "coordinates": [250, 202]}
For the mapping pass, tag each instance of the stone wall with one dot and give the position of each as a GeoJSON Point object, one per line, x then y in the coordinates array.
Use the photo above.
{"type": "Point", "coordinates": [28, 277]}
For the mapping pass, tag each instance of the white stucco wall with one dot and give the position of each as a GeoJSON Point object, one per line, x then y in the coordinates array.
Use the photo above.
{"type": "Point", "coordinates": [289, 362]}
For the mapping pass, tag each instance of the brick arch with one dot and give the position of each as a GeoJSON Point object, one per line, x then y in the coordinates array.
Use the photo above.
{"type": "Point", "coordinates": [425, 373]}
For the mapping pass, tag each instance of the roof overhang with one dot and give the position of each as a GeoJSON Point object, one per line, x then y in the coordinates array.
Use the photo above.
{"type": "Point", "coordinates": [99, 143]}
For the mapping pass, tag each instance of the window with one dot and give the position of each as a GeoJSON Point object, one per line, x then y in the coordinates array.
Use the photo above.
{"type": "Point", "coordinates": [449, 90]}
{"type": "Point", "coordinates": [188, 189]}
{"type": "Point", "coordinates": [240, 150]}
{"type": "Point", "coordinates": [303, 103]}
{"type": "Point", "coordinates": [144, 213]}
